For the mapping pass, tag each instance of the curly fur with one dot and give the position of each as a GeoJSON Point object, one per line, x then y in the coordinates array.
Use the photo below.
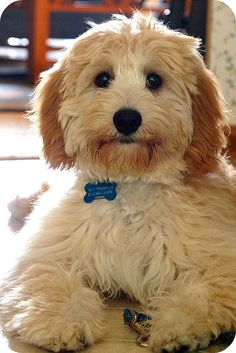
{"type": "Point", "coordinates": [168, 239]}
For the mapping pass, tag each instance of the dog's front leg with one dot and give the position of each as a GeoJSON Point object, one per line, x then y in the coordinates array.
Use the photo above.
{"type": "Point", "coordinates": [196, 309]}
{"type": "Point", "coordinates": [49, 305]}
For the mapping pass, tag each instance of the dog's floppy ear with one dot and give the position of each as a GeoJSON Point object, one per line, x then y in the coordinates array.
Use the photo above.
{"type": "Point", "coordinates": [46, 103]}
{"type": "Point", "coordinates": [209, 123]}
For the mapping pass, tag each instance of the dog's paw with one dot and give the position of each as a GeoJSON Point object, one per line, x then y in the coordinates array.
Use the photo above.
{"type": "Point", "coordinates": [60, 333]}
{"type": "Point", "coordinates": [68, 326]}
{"type": "Point", "coordinates": [68, 337]}
{"type": "Point", "coordinates": [163, 342]}
{"type": "Point", "coordinates": [178, 335]}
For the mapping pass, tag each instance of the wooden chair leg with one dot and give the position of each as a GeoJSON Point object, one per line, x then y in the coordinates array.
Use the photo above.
{"type": "Point", "coordinates": [39, 27]}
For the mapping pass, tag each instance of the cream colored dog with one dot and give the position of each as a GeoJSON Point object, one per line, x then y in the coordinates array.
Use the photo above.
{"type": "Point", "coordinates": [131, 102]}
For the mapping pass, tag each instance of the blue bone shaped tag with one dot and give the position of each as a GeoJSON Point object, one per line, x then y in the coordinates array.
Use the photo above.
{"type": "Point", "coordinates": [106, 190]}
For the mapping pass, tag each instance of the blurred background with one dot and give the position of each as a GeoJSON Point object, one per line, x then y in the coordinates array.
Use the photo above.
{"type": "Point", "coordinates": [34, 33]}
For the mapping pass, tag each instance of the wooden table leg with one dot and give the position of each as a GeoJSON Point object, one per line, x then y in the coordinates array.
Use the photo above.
{"type": "Point", "coordinates": [39, 27]}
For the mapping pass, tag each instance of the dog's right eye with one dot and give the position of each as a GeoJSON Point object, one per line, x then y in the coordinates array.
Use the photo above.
{"type": "Point", "coordinates": [103, 80]}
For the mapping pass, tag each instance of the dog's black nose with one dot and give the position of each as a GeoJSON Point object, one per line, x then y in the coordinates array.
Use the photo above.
{"type": "Point", "coordinates": [127, 121]}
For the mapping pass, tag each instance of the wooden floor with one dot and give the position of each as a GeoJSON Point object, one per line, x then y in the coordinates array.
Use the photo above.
{"type": "Point", "coordinates": [23, 177]}
{"type": "Point", "coordinates": [18, 137]}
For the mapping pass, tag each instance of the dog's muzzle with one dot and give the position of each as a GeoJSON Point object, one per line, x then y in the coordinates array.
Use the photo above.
{"type": "Point", "coordinates": [127, 121]}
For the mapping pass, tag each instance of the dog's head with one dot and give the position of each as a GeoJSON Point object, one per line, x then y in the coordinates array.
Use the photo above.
{"type": "Point", "coordinates": [131, 98]}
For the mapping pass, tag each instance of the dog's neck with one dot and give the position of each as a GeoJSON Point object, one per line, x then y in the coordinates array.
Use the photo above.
{"type": "Point", "coordinates": [110, 188]}
{"type": "Point", "coordinates": [126, 190]}
{"type": "Point", "coordinates": [168, 173]}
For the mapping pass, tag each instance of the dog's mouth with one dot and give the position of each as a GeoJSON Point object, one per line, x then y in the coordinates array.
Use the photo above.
{"type": "Point", "coordinates": [126, 140]}
{"type": "Point", "coordinates": [118, 141]}
{"type": "Point", "coordinates": [126, 154]}
{"type": "Point", "coordinates": [151, 144]}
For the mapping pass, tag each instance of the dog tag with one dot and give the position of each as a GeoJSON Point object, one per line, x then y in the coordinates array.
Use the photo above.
{"type": "Point", "coordinates": [106, 190]}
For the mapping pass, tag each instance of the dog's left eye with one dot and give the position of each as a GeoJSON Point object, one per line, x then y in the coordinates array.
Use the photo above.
{"type": "Point", "coordinates": [103, 80]}
{"type": "Point", "coordinates": [153, 81]}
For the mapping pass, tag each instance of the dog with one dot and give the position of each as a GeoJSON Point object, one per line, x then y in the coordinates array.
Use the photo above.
{"type": "Point", "coordinates": [133, 110]}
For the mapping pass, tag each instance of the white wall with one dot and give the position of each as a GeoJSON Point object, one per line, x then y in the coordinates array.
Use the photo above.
{"type": "Point", "coordinates": [222, 51]}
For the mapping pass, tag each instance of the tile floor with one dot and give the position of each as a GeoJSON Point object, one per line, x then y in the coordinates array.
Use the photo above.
{"type": "Point", "coordinates": [23, 178]}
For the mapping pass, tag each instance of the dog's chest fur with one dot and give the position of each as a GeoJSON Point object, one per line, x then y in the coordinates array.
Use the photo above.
{"type": "Point", "coordinates": [130, 248]}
